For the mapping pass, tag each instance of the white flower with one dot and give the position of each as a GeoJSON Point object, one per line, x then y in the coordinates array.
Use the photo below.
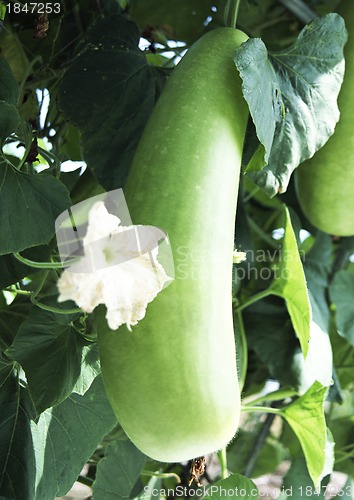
{"type": "Point", "coordinates": [119, 269]}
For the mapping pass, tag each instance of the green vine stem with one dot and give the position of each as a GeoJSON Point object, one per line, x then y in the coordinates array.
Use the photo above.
{"type": "Point", "coordinates": [162, 475]}
{"type": "Point", "coordinates": [45, 307]}
{"type": "Point", "coordinates": [231, 13]}
{"type": "Point", "coordinates": [244, 348]}
{"type": "Point", "coordinates": [253, 299]}
{"type": "Point", "coordinates": [42, 265]}
{"type": "Point", "coordinates": [260, 409]}
{"type": "Point", "coordinates": [258, 445]}
{"type": "Point", "coordinates": [223, 463]}
{"type": "Point", "coordinates": [274, 396]}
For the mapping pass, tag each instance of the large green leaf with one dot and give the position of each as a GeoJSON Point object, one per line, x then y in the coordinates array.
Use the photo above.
{"type": "Point", "coordinates": [271, 335]}
{"type": "Point", "coordinates": [54, 356]}
{"type": "Point", "coordinates": [9, 88]}
{"type": "Point", "coordinates": [29, 206]}
{"type": "Point", "coordinates": [290, 284]}
{"type": "Point", "coordinates": [14, 54]}
{"type": "Point", "coordinates": [317, 267]}
{"type": "Point", "coordinates": [108, 93]}
{"type": "Point", "coordinates": [292, 96]}
{"type": "Point", "coordinates": [341, 293]}
{"type": "Point", "coordinates": [17, 474]}
{"type": "Point", "coordinates": [65, 437]}
{"type": "Point", "coordinates": [118, 471]}
{"type": "Point", "coordinates": [306, 417]}
{"type": "Point", "coordinates": [179, 19]}
{"type": "Point", "coordinates": [240, 486]}
{"type": "Point", "coordinates": [9, 120]}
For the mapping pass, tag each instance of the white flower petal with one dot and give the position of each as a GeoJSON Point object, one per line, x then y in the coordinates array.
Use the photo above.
{"type": "Point", "coordinates": [120, 269]}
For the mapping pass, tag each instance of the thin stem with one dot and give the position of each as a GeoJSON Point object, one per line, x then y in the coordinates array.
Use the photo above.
{"type": "Point", "coordinates": [244, 350]}
{"type": "Point", "coordinates": [85, 480]}
{"type": "Point", "coordinates": [251, 194]}
{"type": "Point", "coordinates": [223, 463]}
{"type": "Point", "coordinates": [53, 309]}
{"type": "Point", "coordinates": [260, 409]}
{"type": "Point", "coordinates": [17, 291]}
{"type": "Point", "coordinates": [258, 445]}
{"type": "Point", "coordinates": [56, 310]}
{"type": "Point", "coordinates": [231, 13]}
{"type": "Point", "coordinates": [344, 457]}
{"type": "Point", "coordinates": [42, 265]}
{"type": "Point", "coordinates": [262, 234]}
{"type": "Point", "coordinates": [3, 345]}
{"type": "Point", "coordinates": [162, 475]}
{"type": "Point", "coordinates": [253, 299]}
{"type": "Point", "coordinates": [274, 396]}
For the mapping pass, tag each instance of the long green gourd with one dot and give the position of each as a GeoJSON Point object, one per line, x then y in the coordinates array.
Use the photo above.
{"type": "Point", "coordinates": [325, 183]}
{"type": "Point", "coordinates": [172, 381]}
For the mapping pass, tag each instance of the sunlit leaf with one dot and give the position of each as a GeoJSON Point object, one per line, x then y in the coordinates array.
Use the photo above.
{"type": "Point", "coordinates": [290, 283]}
{"type": "Point", "coordinates": [306, 417]}
{"type": "Point", "coordinates": [292, 96]}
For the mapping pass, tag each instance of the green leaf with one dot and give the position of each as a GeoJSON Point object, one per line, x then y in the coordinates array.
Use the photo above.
{"type": "Point", "coordinates": [9, 120]}
{"type": "Point", "coordinates": [343, 359]}
{"type": "Point", "coordinates": [29, 206]}
{"type": "Point", "coordinates": [16, 451]}
{"type": "Point", "coordinates": [54, 357]}
{"type": "Point", "coordinates": [239, 485]}
{"type": "Point", "coordinates": [11, 317]}
{"type": "Point", "coordinates": [291, 285]}
{"type": "Point", "coordinates": [317, 267]}
{"type": "Point", "coordinates": [268, 324]}
{"type": "Point", "coordinates": [109, 68]}
{"type": "Point", "coordinates": [307, 420]}
{"type": "Point", "coordinates": [292, 96]}
{"type": "Point", "coordinates": [14, 54]}
{"type": "Point", "coordinates": [178, 19]}
{"type": "Point", "coordinates": [118, 471]}
{"type": "Point", "coordinates": [341, 292]}
{"type": "Point", "coordinates": [9, 88]}
{"type": "Point", "coordinates": [297, 482]}
{"type": "Point", "coordinates": [65, 437]}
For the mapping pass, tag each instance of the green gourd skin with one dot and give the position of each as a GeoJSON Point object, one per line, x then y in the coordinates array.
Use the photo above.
{"type": "Point", "coordinates": [325, 183]}
{"type": "Point", "coordinates": [172, 381]}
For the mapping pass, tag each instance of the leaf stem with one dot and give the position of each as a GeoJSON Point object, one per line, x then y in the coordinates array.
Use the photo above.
{"type": "Point", "coordinates": [231, 13]}
{"type": "Point", "coordinates": [161, 475]}
{"type": "Point", "coordinates": [223, 463]}
{"type": "Point", "coordinates": [260, 409]}
{"type": "Point", "coordinates": [255, 298]}
{"type": "Point", "coordinates": [344, 457]}
{"type": "Point", "coordinates": [274, 396]}
{"type": "Point", "coordinates": [42, 265]}
{"type": "Point", "coordinates": [244, 347]}
{"type": "Point", "coordinates": [85, 480]}
{"type": "Point", "coordinates": [258, 445]}
{"type": "Point", "coordinates": [45, 307]}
